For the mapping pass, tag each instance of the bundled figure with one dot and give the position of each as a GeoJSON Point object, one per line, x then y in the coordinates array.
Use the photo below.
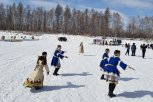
{"type": "Point", "coordinates": [58, 54]}
{"type": "Point", "coordinates": [111, 72]}
{"type": "Point", "coordinates": [133, 49]}
{"type": "Point", "coordinates": [36, 78]}
{"type": "Point", "coordinates": [143, 47]}
{"type": "Point", "coordinates": [128, 49]}
{"type": "Point", "coordinates": [126, 45]}
{"type": "Point", "coordinates": [104, 61]}
{"type": "Point", "coordinates": [81, 51]}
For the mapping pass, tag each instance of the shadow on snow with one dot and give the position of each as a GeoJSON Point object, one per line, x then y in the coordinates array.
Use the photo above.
{"type": "Point", "coordinates": [89, 55]}
{"type": "Point", "coordinates": [76, 74]}
{"type": "Point", "coordinates": [53, 88]}
{"type": "Point", "coordinates": [144, 58]}
{"type": "Point", "coordinates": [136, 94]}
{"type": "Point", "coordinates": [128, 79]}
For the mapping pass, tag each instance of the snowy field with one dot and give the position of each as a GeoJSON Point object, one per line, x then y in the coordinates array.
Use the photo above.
{"type": "Point", "coordinates": [80, 74]}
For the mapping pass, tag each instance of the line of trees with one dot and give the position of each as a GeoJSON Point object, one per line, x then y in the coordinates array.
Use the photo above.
{"type": "Point", "coordinates": [72, 21]}
{"type": "Point", "coordinates": [140, 27]}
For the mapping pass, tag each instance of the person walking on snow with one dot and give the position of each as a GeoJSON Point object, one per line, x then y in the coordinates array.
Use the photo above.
{"type": "Point", "coordinates": [36, 78]}
{"type": "Point", "coordinates": [81, 50]}
{"type": "Point", "coordinates": [128, 49]}
{"type": "Point", "coordinates": [111, 72]}
{"type": "Point", "coordinates": [133, 49]}
{"type": "Point", "coordinates": [58, 54]}
{"type": "Point", "coordinates": [104, 61]}
{"type": "Point", "coordinates": [143, 47]}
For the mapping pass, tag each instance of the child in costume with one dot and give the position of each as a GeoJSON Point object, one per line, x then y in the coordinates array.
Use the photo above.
{"type": "Point", "coordinates": [111, 72]}
{"type": "Point", "coordinates": [36, 78]}
{"type": "Point", "coordinates": [104, 61]}
{"type": "Point", "coordinates": [128, 49]}
{"type": "Point", "coordinates": [58, 54]}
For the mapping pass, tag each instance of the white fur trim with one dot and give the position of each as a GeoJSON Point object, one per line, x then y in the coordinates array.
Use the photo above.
{"type": "Point", "coordinates": [112, 74]}
{"type": "Point", "coordinates": [116, 56]}
{"type": "Point", "coordinates": [105, 58]}
{"type": "Point", "coordinates": [58, 54]}
{"type": "Point", "coordinates": [119, 62]}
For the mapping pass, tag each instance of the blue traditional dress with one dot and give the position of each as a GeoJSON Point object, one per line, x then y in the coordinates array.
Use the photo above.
{"type": "Point", "coordinates": [104, 60]}
{"type": "Point", "coordinates": [111, 72]}
{"type": "Point", "coordinates": [56, 58]}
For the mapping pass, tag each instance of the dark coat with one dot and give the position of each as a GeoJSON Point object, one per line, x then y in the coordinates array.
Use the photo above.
{"type": "Point", "coordinates": [133, 47]}
{"type": "Point", "coordinates": [143, 47]}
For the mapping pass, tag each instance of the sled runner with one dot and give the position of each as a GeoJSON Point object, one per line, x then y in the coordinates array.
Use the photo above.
{"type": "Point", "coordinates": [31, 84]}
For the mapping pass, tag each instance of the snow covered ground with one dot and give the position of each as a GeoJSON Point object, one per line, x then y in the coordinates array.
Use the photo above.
{"type": "Point", "coordinates": [80, 74]}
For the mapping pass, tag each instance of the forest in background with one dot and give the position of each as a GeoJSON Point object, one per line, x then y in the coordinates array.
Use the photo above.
{"type": "Point", "coordinates": [18, 17]}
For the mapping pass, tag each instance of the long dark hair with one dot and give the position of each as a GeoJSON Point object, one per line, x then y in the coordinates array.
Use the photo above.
{"type": "Point", "coordinates": [43, 59]}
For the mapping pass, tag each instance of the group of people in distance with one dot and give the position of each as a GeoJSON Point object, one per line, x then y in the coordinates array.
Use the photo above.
{"type": "Point", "coordinates": [110, 70]}
{"type": "Point", "coordinates": [133, 48]}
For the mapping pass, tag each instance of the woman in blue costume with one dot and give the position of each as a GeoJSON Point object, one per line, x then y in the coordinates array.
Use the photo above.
{"type": "Point", "coordinates": [104, 61]}
{"type": "Point", "coordinates": [111, 72]}
{"type": "Point", "coordinates": [58, 54]}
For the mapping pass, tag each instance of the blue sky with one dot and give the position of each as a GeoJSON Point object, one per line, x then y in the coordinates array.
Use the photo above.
{"type": "Point", "coordinates": [126, 7]}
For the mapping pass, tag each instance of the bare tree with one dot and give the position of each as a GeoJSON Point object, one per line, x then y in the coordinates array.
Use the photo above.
{"type": "Point", "coordinates": [58, 18]}
{"type": "Point", "coordinates": [67, 20]}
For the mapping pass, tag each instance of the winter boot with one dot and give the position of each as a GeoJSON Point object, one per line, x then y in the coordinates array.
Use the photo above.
{"type": "Point", "coordinates": [55, 72]}
{"type": "Point", "coordinates": [111, 89]}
